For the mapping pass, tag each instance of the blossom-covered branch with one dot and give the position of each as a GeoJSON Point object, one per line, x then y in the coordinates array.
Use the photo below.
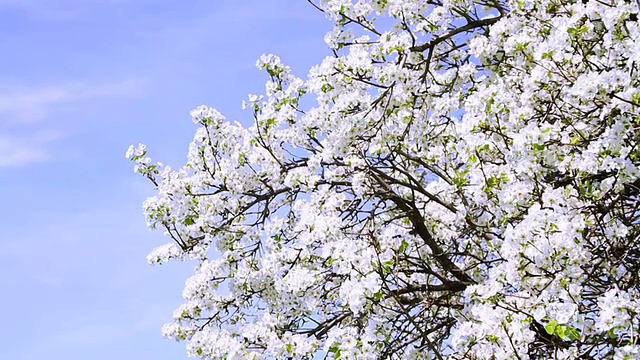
{"type": "Point", "coordinates": [464, 186]}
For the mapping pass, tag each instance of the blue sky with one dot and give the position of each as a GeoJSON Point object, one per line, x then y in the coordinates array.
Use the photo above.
{"type": "Point", "coordinates": [80, 80]}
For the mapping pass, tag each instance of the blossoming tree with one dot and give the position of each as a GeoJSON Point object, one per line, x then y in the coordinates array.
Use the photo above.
{"type": "Point", "coordinates": [464, 186]}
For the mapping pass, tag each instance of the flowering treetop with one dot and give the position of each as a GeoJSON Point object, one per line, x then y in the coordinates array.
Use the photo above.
{"type": "Point", "coordinates": [465, 186]}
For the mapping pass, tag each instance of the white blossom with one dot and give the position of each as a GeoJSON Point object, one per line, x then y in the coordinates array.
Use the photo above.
{"type": "Point", "coordinates": [463, 185]}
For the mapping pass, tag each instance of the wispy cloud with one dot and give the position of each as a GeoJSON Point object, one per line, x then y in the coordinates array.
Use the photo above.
{"type": "Point", "coordinates": [18, 151]}
{"type": "Point", "coordinates": [136, 316]}
{"type": "Point", "coordinates": [219, 26]}
{"type": "Point", "coordinates": [94, 334]}
{"type": "Point", "coordinates": [25, 104]}
{"type": "Point", "coordinates": [60, 10]}
{"type": "Point", "coordinates": [89, 254]}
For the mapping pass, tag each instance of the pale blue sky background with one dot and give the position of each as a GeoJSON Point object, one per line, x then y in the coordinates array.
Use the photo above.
{"type": "Point", "coordinates": [80, 80]}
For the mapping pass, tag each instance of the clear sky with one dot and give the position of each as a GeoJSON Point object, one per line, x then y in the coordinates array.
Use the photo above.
{"type": "Point", "coordinates": [80, 80]}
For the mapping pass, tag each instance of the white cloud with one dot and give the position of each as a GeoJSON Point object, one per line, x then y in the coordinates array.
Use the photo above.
{"type": "Point", "coordinates": [135, 316]}
{"type": "Point", "coordinates": [223, 25]}
{"type": "Point", "coordinates": [94, 334]}
{"type": "Point", "coordinates": [96, 255]}
{"type": "Point", "coordinates": [61, 10]}
{"type": "Point", "coordinates": [18, 151]}
{"type": "Point", "coordinates": [26, 104]}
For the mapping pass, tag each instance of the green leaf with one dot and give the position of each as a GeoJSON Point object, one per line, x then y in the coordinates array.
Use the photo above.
{"type": "Point", "coordinates": [565, 332]}
{"type": "Point", "coordinates": [572, 333]}
{"type": "Point", "coordinates": [190, 219]}
{"type": "Point", "coordinates": [492, 181]}
{"type": "Point", "coordinates": [335, 350]}
{"type": "Point", "coordinates": [551, 327]}
{"type": "Point", "coordinates": [138, 157]}
{"type": "Point", "coordinates": [242, 159]}
{"type": "Point", "coordinates": [270, 122]}
{"type": "Point", "coordinates": [561, 331]}
{"type": "Point", "coordinates": [386, 265]}
{"type": "Point", "coordinates": [326, 88]}
{"type": "Point", "coordinates": [403, 246]}
{"type": "Point", "coordinates": [538, 147]}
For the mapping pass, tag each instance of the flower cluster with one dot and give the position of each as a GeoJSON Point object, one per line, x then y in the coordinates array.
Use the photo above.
{"type": "Point", "coordinates": [466, 185]}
